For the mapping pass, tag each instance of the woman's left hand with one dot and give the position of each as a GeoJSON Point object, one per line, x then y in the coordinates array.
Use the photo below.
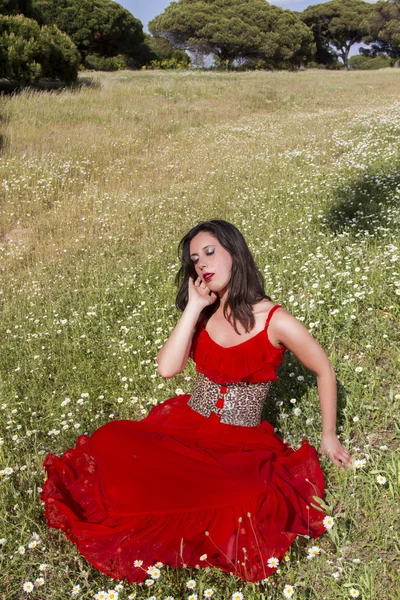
{"type": "Point", "coordinates": [331, 447]}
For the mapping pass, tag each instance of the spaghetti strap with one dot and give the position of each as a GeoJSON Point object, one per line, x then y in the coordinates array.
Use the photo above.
{"type": "Point", "coordinates": [271, 312]}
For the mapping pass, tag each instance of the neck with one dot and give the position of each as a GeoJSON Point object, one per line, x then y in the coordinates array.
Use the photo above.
{"type": "Point", "coordinates": [223, 295]}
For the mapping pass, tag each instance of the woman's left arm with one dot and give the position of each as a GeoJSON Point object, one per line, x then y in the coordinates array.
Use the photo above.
{"type": "Point", "coordinates": [296, 337]}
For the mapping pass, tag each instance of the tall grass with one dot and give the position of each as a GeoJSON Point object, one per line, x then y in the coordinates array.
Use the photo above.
{"type": "Point", "coordinates": [98, 186]}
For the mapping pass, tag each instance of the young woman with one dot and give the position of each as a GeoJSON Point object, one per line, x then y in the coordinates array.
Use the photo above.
{"type": "Point", "coordinates": [203, 480]}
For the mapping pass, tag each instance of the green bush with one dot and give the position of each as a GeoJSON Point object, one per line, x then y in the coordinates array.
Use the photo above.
{"type": "Point", "coordinates": [29, 52]}
{"type": "Point", "coordinates": [109, 63]}
{"type": "Point", "coordinates": [169, 63]}
{"type": "Point", "coordinates": [364, 63]}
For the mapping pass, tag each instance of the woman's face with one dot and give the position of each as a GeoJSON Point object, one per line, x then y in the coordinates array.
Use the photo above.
{"type": "Point", "coordinates": [213, 264]}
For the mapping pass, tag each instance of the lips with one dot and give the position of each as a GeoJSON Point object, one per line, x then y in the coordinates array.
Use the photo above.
{"type": "Point", "coordinates": [207, 276]}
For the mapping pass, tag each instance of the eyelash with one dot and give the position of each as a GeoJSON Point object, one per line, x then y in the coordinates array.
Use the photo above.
{"type": "Point", "coordinates": [208, 253]}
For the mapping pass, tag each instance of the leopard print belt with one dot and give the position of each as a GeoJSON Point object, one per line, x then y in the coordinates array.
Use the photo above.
{"type": "Point", "coordinates": [243, 401]}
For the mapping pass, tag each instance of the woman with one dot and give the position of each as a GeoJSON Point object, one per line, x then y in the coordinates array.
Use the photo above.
{"type": "Point", "coordinates": [203, 480]}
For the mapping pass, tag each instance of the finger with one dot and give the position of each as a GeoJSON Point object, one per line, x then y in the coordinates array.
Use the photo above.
{"type": "Point", "coordinates": [337, 463]}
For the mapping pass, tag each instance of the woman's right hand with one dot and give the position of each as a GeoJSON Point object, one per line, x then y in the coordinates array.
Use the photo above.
{"type": "Point", "coordinates": [200, 294]}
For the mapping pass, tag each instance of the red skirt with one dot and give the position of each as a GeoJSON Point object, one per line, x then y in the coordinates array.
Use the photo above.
{"type": "Point", "coordinates": [176, 486]}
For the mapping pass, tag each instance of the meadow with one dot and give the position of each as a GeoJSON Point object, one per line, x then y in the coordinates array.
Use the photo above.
{"type": "Point", "coordinates": [98, 185]}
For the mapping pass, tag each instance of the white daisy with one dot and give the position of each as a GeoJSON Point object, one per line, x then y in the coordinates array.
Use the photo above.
{"type": "Point", "coordinates": [313, 551]}
{"type": "Point", "coordinates": [39, 581]}
{"type": "Point", "coordinates": [208, 593]}
{"type": "Point", "coordinates": [21, 550]}
{"type": "Point", "coordinates": [288, 591]}
{"type": "Point", "coordinates": [381, 479]}
{"type": "Point", "coordinates": [149, 582]}
{"type": "Point", "coordinates": [358, 369]}
{"type": "Point", "coordinates": [328, 522]}
{"type": "Point", "coordinates": [101, 596]}
{"type": "Point", "coordinates": [28, 587]}
{"type": "Point", "coordinates": [203, 557]}
{"type": "Point", "coordinates": [273, 562]}
{"type": "Point", "coordinates": [191, 584]}
{"type": "Point", "coordinates": [112, 595]}
{"type": "Point", "coordinates": [354, 593]}
{"type": "Point", "coordinates": [192, 597]}
{"type": "Point", "coordinates": [359, 463]}
{"type": "Point", "coordinates": [138, 563]}
{"type": "Point", "coordinates": [237, 596]}
{"type": "Point", "coordinates": [75, 590]}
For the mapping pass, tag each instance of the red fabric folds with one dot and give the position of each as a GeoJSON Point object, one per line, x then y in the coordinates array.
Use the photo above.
{"type": "Point", "coordinates": [151, 490]}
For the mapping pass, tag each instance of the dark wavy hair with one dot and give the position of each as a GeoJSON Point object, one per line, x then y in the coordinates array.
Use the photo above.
{"type": "Point", "coordinates": [246, 286]}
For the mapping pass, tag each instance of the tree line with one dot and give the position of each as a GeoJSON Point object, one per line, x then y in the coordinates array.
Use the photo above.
{"type": "Point", "coordinates": [47, 39]}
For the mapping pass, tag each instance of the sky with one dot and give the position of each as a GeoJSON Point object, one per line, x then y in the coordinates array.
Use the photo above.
{"type": "Point", "coordinates": [145, 10]}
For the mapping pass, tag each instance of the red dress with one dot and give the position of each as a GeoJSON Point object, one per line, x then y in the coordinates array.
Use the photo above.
{"type": "Point", "coordinates": [176, 485]}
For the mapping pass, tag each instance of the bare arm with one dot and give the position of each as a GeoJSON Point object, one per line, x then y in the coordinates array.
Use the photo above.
{"type": "Point", "coordinates": [174, 354]}
{"type": "Point", "coordinates": [295, 336]}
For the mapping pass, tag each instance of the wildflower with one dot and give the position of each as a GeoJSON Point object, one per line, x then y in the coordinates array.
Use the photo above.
{"type": "Point", "coordinates": [192, 597]}
{"type": "Point", "coordinates": [328, 522]}
{"type": "Point", "coordinates": [21, 550]}
{"type": "Point", "coordinates": [191, 584]}
{"type": "Point", "coordinates": [179, 391]}
{"type": "Point", "coordinates": [356, 419]}
{"type": "Point", "coordinates": [237, 596]}
{"type": "Point", "coordinates": [119, 587]}
{"type": "Point", "coordinates": [112, 595]}
{"type": "Point", "coordinates": [273, 562]}
{"type": "Point", "coordinates": [297, 411]}
{"type": "Point", "coordinates": [359, 463]}
{"type": "Point", "coordinates": [313, 551]}
{"type": "Point", "coordinates": [358, 369]}
{"type": "Point", "coordinates": [138, 563]}
{"type": "Point", "coordinates": [101, 596]}
{"type": "Point", "coordinates": [155, 573]}
{"type": "Point", "coordinates": [32, 544]}
{"type": "Point", "coordinates": [2, 541]}
{"type": "Point", "coordinates": [43, 567]}
{"type": "Point", "coordinates": [336, 575]}
{"type": "Point", "coordinates": [381, 479]}
{"type": "Point", "coordinates": [39, 581]}
{"type": "Point", "coordinates": [288, 591]}
{"type": "Point", "coordinates": [208, 593]}
{"type": "Point", "coordinates": [28, 587]}
{"type": "Point", "coordinates": [354, 593]}
{"type": "Point", "coordinates": [133, 596]}
{"type": "Point", "coordinates": [203, 557]}
{"type": "Point", "coordinates": [75, 590]}
{"type": "Point", "coordinates": [149, 582]}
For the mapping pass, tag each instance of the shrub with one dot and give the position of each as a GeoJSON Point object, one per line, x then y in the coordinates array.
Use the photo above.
{"type": "Point", "coordinates": [110, 63]}
{"type": "Point", "coordinates": [365, 63]}
{"type": "Point", "coordinates": [29, 52]}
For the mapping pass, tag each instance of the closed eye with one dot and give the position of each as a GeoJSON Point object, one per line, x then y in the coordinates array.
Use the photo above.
{"type": "Point", "coordinates": [208, 253]}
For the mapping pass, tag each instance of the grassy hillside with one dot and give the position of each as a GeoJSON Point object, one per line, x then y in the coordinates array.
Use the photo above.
{"type": "Point", "coordinates": [97, 187]}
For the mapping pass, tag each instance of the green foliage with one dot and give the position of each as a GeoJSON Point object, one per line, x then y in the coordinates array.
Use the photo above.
{"type": "Point", "coordinates": [29, 52]}
{"type": "Point", "coordinates": [158, 53]}
{"type": "Point", "coordinates": [168, 63]}
{"type": "Point", "coordinates": [16, 7]}
{"type": "Point", "coordinates": [337, 25]}
{"type": "Point", "coordinates": [366, 63]}
{"type": "Point", "coordinates": [384, 29]}
{"type": "Point", "coordinates": [109, 63]}
{"type": "Point", "coordinates": [236, 30]}
{"type": "Point", "coordinates": [97, 27]}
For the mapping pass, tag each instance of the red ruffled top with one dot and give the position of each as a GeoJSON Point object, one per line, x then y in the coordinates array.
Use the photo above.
{"type": "Point", "coordinates": [254, 360]}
